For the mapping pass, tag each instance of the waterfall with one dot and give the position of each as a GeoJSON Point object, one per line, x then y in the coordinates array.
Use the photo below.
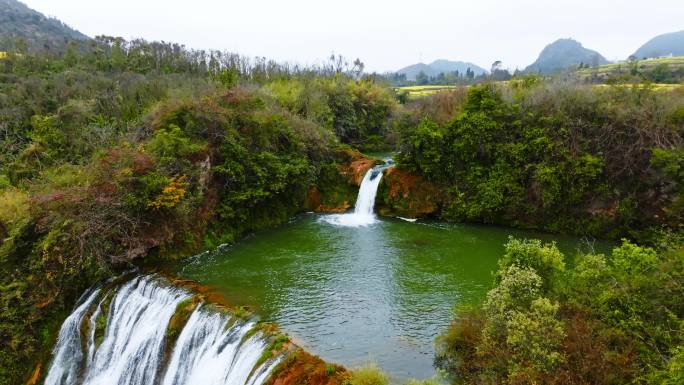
{"type": "Point", "coordinates": [67, 355]}
{"type": "Point", "coordinates": [365, 201]}
{"type": "Point", "coordinates": [212, 348]}
{"type": "Point", "coordinates": [363, 214]}
{"type": "Point", "coordinates": [208, 352]}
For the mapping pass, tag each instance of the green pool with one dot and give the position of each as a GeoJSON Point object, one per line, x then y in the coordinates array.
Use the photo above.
{"type": "Point", "coordinates": [382, 292]}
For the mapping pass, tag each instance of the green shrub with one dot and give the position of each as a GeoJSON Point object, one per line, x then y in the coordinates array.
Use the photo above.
{"type": "Point", "coordinates": [615, 319]}
{"type": "Point", "coordinates": [548, 157]}
{"type": "Point", "coordinates": [368, 374]}
{"type": "Point", "coordinates": [546, 260]}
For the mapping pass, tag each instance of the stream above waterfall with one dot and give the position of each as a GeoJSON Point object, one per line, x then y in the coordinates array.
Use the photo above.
{"type": "Point", "coordinates": [380, 292]}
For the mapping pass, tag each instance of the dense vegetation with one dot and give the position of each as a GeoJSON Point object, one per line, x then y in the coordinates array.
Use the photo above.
{"type": "Point", "coordinates": [132, 152]}
{"type": "Point", "coordinates": [600, 161]}
{"type": "Point", "coordinates": [560, 157]}
{"type": "Point", "coordinates": [597, 319]}
{"type": "Point", "coordinates": [117, 153]}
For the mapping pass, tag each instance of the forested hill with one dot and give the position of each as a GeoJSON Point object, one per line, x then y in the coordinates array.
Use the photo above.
{"type": "Point", "coordinates": [24, 28]}
{"type": "Point", "coordinates": [440, 66]}
{"type": "Point", "coordinates": [562, 54]}
{"type": "Point", "coordinates": [662, 45]}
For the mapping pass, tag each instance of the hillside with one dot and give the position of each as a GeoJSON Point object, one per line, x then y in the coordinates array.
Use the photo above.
{"type": "Point", "coordinates": [40, 32]}
{"type": "Point", "coordinates": [563, 54]}
{"type": "Point", "coordinates": [662, 45]}
{"type": "Point", "coordinates": [667, 70]}
{"type": "Point", "coordinates": [440, 66]}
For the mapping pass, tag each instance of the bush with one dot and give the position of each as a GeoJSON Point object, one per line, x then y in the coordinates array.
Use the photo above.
{"type": "Point", "coordinates": [546, 260]}
{"type": "Point", "coordinates": [14, 206]}
{"type": "Point", "coordinates": [534, 339]}
{"type": "Point", "coordinates": [368, 374]}
{"type": "Point", "coordinates": [615, 319]}
{"type": "Point", "coordinates": [556, 157]}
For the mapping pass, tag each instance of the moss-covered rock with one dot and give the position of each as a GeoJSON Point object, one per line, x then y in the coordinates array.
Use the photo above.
{"type": "Point", "coordinates": [300, 367]}
{"type": "Point", "coordinates": [277, 342]}
{"type": "Point", "coordinates": [404, 194]}
{"type": "Point", "coordinates": [338, 183]}
{"type": "Point", "coordinates": [101, 320]}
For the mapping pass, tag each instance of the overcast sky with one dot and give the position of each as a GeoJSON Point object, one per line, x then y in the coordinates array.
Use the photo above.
{"type": "Point", "coordinates": [384, 34]}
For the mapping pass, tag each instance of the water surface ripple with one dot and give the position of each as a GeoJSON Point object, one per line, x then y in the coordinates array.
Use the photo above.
{"type": "Point", "coordinates": [379, 292]}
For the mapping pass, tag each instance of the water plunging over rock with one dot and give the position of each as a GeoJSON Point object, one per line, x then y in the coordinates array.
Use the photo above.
{"type": "Point", "coordinates": [363, 214]}
{"type": "Point", "coordinates": [212, 348]}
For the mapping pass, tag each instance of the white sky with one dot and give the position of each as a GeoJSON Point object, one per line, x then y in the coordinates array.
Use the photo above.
{"type": "Point", "coordinates": [384, 34]}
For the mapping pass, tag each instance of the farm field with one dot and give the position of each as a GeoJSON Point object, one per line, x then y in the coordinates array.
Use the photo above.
{"type": "Point", "coordinates": [646, 66]}
{"type": "Point", "coordinates": [426, 90]}
{"type": "Point", "coordinates": [419, 91]}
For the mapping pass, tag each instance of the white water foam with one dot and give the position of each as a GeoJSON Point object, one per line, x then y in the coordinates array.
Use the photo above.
{"type": "Point", "coordinates": [209, 353]}
{"type": "Point", "coordinates": [210, 350]}
{"type": "Point", "coordinates": [67, 355]}
{"type": "Point", "coordinates": [363, 214]}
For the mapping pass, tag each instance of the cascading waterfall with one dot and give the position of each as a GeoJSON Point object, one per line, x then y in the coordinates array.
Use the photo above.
{"type": "Point", "coordinates": [363, 214]}
{"type": "Point", "coordinates": [208, 352]}
{"type": "Point", "coordinates": [211, 349]}
{"type": "Point", "coordinates": [67, 355]}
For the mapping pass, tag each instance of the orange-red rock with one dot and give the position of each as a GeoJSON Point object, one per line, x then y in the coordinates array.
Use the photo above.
{"type": "Point", "coordinates": [303, 368]}
{"type": "Point", "coordinates": [408, 195]}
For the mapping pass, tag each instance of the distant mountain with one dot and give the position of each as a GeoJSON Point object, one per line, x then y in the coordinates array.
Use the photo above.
{"type": "Point", "coordinates": [40, 32]}
{"type": "Point", "coordinates": [440, 66]}
{"type": "Point", "coordinates": [563, 54]}
{"type": "Point", "coordinates": [662, 45]}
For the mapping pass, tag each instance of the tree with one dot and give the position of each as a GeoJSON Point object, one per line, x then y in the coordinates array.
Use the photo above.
{"type": "Point", "coordinates": [358, 67]}
{"type": "Point", "coordinates": [422, 78]}
{"type": "Point", "coordinates": [498, 73]}
{"type": "Point", "coordinates": [545, 259]}
{"type": "Point", "coordinates": [470, 74]}
{"type": "Point", "coordinates": [534, 339]}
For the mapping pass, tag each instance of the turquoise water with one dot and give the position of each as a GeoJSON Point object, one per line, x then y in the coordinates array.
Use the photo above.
{"type": "Point", "coordinates": [353, 294]}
